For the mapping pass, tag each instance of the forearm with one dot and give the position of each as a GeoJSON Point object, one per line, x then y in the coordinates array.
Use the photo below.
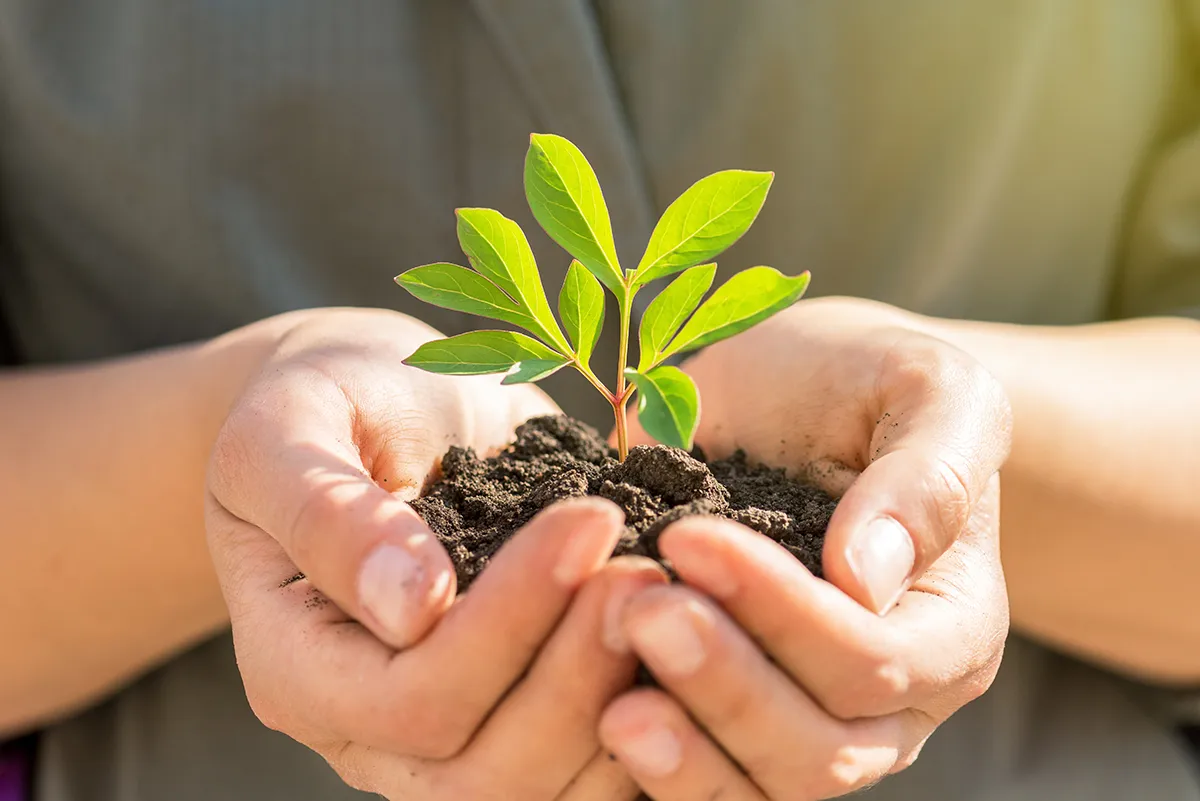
{"type": "Point", "coordinates": [104, 567]}
{"type": "Point", "coordinates": [1101, 506]}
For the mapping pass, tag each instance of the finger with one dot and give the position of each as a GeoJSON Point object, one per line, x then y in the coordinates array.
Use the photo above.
{"type": "Point", "coordinates": [943, 431]}
{"type": "Point", "coordinates": [783, 739]}
{"type": "Point", "coordinates": [544, 731]}
{"type": "Point", "coordinates": [935, 651]}
{"type": "Point", "coordinates": [371, 770]}
{"type": "Point", "coordinates": [287, 462]}
{"type": "Point", "coordinates": [292, 644]}
{"type": "Point", "coordinates": [602, 779]}
{"type": "Point", "coordinates": [426, 701]}
{"type": "Point", "coordinates": [512, 608]}
{"type": "Point", "coordinates": [667, 755]}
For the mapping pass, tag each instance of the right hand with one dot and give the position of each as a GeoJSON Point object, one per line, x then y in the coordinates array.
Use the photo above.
{"type": "Point", "coordinates": [368, 660]}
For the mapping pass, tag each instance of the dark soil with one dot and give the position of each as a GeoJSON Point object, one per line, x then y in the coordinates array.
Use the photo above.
{"type": "Point", "coordinates": [476, 504]}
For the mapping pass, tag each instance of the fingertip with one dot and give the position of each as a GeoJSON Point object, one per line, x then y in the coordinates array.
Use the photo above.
{"type": "Point", "coordinates": [632, 709]}
{"type": "Point", "coordinates": [600, 517]}
{"type": "Point", "coordinates": [703, 530]}
{"type": "Point", "coordinates": [636, 566]}
{"type": "Point", "coordinates": [584, 506]}
{"type": "Point", "coordinates": [873, 563]}
{"type": "Point", "coordinates": [443, 584]}
{"type": "Point", "coordinates": [651, 597]}
{"type": "Point", "coordinates": [897, 518]}
{"type": "Point", "coordinates": [592, 527]}
{"type": "Point", "coordinates": [704, 551]}
{"type": "Point", "coordinates": [404, 586]}
{"type": "Point", "coordinates": [608, 511]}
{"type": "Point", "coordinates": [639, 728]}
{"type": "Point", "coordinates": [626, 578]}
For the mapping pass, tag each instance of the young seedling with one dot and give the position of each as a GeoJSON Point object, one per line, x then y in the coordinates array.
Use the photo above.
{"type": "Point", "coordinates": [566, 200]}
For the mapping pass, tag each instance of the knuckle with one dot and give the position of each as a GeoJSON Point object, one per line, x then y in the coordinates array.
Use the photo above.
{"type": "Point", "coordinates": [440, 743]}
{"type": "Point", "coordinates": [918, 364]}
{"type": "Point", "coordinates": [265, 707]}
{"type": "Point", "coordinates": [734, 706]}
{"type": "Point", "coordinates": [951, 499]}
{"type": "Point", "coordinates": [848, 768]}
{"type": "Point", "coordinates": [919, 727]}
{"type": "Point", "coordinates": [318, 512]}
{"type": "Point", "coordinates": [265, 684]}
{"type": "Point", "coordinates": [988, 389]}
{"type": "Point", "coordinates": [878, 688]}
{"type": "Point", "coordinates": [908, 758]}
{"type": "Point", "coordinates": [979, 681]}
{"type": "Point", "coordinates": [352, 771]}
{"type": "Point", "coordinates": [990, 407]}
{"type": "Point", "coordinates": [570, 705]}
{"type": "Point", "coordinates": [229, 459]}
{"type": "Point", "coordinates": [923, 365]}
{"type": "Point", "coordinates": [429, 727]}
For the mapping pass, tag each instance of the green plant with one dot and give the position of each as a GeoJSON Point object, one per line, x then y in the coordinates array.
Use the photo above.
{"type": "Point", "coordinates": [566, 200]}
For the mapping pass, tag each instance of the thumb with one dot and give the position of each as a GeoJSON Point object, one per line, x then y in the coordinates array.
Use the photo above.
{"type": "Point", "coordinates": [943, 431]}
{"type": "Point", "coordinates": [290, 461]}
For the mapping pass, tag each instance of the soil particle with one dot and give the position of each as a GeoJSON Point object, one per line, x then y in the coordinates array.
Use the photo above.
{"type": "Point", "coordinates": [476, 504]}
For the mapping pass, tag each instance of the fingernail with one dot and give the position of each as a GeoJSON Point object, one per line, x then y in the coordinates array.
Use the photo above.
{"type": "Point", "coordinates": [882, 559]}
{"type": "Point", "coordinates": [392, 587]}
{"type": "Point", "coordinates": [612, 632]}
{"type": "Point", "coordinates": [654, 751]}
{"type": "Point", "coordinates": [667, 638]}
{"type": "Point", "coordinates": [584, 552]}
{"type": "Point", "coordinates": [703, 567]}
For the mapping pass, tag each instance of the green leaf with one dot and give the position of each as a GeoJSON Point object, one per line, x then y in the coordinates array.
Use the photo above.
{"type": "Point", "coordinates": [705, 220]}
{"type": "Point", "coordinates": [498, 250]}
{"type": "Point", "coordinates": [743, 301]}
{"type": "Point", "coordinates": [531, 370]}
{"type": "Point", "coordinates": [459, 289]}
{"type": "Point", "coordinates": [668, 405]}
{"type": "Point", "coordinates": [668, 311]}
{"type": "Point", "coordinates": [581, 306]}
{"type": "Point", "coordinates": [565, 197]}
{"type": "Point", "coordinates": [483, 352]}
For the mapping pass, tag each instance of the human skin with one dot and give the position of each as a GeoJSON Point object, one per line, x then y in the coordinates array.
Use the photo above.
{"type": "Point", "coordinates": [889, 408]}
{"type": "Point", "coordinates": [305, 424]}
{"type": "Point", "coordinates": [310, 472]}
{"type": "Point", "coordinates": [910, 433]}
{"type": "Point", "coordinates": [102, 525]}
{"type": "Point", "coordinates": [105, 557]}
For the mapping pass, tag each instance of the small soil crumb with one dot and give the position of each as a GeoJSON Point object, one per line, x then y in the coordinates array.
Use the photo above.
{"type": "Point", "coordinates": [477, 504]}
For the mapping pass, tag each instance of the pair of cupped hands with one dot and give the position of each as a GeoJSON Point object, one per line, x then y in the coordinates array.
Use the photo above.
{"type": "Point", "coordinates": [773, 684]}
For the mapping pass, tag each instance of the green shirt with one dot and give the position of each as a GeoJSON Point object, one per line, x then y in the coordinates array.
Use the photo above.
{"type": "Point", "coordinates": [171, 170]}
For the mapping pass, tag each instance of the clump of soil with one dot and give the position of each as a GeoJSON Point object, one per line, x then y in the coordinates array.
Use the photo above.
{"type": "Point", "coordinates": [477, 504]}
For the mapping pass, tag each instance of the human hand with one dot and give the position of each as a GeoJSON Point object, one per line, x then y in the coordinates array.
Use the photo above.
{"type": "Point", "coordinates": [366, 660]}
{"type": "Point", "coordinates": [809, 689]}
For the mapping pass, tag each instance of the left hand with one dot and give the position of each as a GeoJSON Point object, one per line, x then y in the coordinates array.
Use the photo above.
{"type": "Point", "coordinates": [787, 687]}
{"type": "Point", "coordinates": [371, 661]}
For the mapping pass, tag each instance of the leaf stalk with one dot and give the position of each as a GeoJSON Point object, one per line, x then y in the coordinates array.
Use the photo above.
{"type": "Point", "coordinates": [625, 304]}
{"type": "Point", "coordinates": [503, 284]}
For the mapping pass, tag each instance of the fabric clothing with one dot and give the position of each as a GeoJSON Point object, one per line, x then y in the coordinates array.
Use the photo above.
{"type": "Point", "coordinates": [170, 171]}
{"type": "Point", "coordinates": [14, 772]}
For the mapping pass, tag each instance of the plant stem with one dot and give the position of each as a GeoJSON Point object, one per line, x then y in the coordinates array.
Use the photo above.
{"type": "Point", "coordinates": [625, 302]}
{"type": "Point", "coordinates": [622, 430]}
{"type": "Point", "coordinates": [595, 382]}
